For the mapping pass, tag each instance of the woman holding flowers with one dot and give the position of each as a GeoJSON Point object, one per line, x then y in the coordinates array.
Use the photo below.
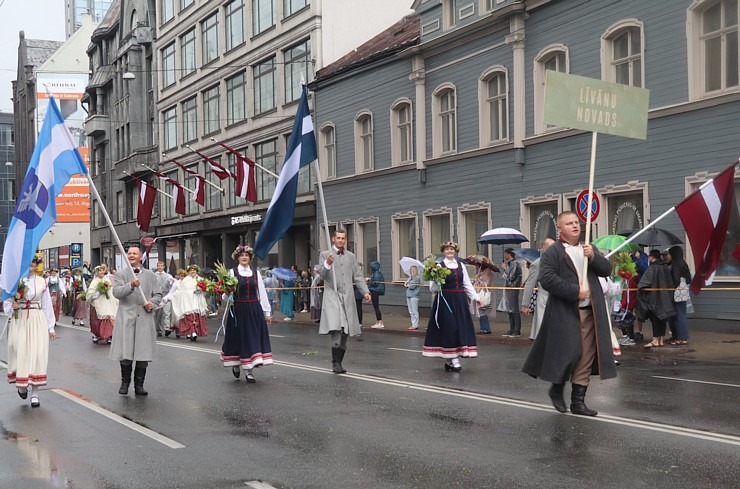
{"type": "Point", "coordinates": [450, 333]}
{"type": "Point", "coordinates": [57, 291]}
{"type": "Point", "coordinates": [246, 340]}
{"type": "Point", "coordinates": [103, 306]}
{"type": "Point", "coordinates": [189, 304]}
{"type": "Point", "coordinates": [31, 326]}
{"type": "Point", "coordinates": [79, 289]}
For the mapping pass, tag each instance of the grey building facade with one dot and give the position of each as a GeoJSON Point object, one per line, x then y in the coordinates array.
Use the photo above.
{"type": "Point", "coordinates": [7, 174]}
{"type": "Point", "coordinates": [445, 138]}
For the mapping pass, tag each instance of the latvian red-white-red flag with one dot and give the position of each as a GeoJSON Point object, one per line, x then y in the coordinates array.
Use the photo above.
{"type": "Point", "coordinates": [179, 194]}
{"type": "Point", "coordinates": [147, 194]}
{"type": "Point", "coordinates": [200, 190]}
{"type": "Point", "coordinates": [246, 186]}
{"type": "Point", "coordinates": [705, 215]}
{"type": "Point", "coordinates": [219, 170]}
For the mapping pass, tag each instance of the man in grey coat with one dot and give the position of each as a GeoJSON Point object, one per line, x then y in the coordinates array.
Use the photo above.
{"type": "Point", "coordinates": [135, 337]}
{"type": "Point", "coordinates": [575, 341]}
{"type": "Point", "coordinates": [338, 309]}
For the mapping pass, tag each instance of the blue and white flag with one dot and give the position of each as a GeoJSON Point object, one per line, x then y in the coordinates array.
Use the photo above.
{"type": "Point", "coordinates": [301, 152]}
{"type": "Point", "coordinates": [55, 159]}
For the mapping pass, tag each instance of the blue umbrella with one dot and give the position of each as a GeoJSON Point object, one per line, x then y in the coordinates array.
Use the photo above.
{"type": "Point", "coordinates": [284, 273]}
{"type": "Point", "coordinates": [527, 254]}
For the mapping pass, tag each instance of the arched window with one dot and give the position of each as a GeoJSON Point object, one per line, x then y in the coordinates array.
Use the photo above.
{"type": "Point", "coordinates": [402, 136]}
{"type": "Point", "coordinates": [552, 58]}
{"type": "Point", "coordinates": [364, 149]}
{"type": "Point", "coordinates": [494, 107]}
{"type": "Point", "coordinates": [329, 150]}
{"type": "Point", "coordinates": [444, 120]}
{"type": "Point", "coordinates": [622, 49]}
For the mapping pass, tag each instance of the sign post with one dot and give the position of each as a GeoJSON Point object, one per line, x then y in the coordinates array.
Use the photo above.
{"type": "Point", "coordinates": [597, 106]}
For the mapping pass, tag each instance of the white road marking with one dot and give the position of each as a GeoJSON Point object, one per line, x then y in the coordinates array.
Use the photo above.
{"type": "Point", "coordinates": [118, 419]}
{"type": "Point", "coordinates": [259, 485]}
{"type": "Point", "coordinates": [405, 349]}
{"type": "Point", "coordinates": [3, 365]}
{"type": "Point", "coordinates": [696, 381]}
{"type": "Point", "coordinates": [534, 406]}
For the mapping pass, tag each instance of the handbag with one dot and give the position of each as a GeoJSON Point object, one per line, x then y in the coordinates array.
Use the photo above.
{"type": "Point", "coordinates": [681, 294]}
{"type": "Point", "coordinates": [503, 305]}
{"type": "Point", "coordinates": [484, 296]}
{"type": "Point", "coordinates": [533, 301]}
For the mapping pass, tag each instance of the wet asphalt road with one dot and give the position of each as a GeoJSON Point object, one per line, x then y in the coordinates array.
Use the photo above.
{"type": "Point", "coordinates": [398, 420]}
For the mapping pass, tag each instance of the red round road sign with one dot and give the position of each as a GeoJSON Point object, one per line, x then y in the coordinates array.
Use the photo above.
{"type": "Point", "coordinates": [582, 205]}
{"type": "Point", "coordinates": [147, 241]}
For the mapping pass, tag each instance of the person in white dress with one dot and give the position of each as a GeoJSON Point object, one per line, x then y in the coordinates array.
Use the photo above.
{"type": "Point", "coordinates": [57, 289]}
{"type": "Point", "coordinates": [189, 305]}
{"type": "Point", "coordinates": [103, 307]}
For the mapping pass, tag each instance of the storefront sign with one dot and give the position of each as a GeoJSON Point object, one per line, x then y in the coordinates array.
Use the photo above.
{"type": "Point", "coordinates": [246, 219]}
{"type": "Point", "coordinates": [596, 106]}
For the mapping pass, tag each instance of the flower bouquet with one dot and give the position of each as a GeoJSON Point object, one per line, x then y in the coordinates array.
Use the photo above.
{"type": "Point", "coordinates": [20, 295]}
{"type": "Point", "coordinates": [433, 271]}
{"type": "Point", "coordinates": [225, 283]}
{"type": "Point", "coordinates": [82, 295]}
{"type": "Point", "coordinates": [625, 265]}
{"type": "Point", "coordinates": [202, 285]}
{"type": "Point", "coordinates": [103, 288]}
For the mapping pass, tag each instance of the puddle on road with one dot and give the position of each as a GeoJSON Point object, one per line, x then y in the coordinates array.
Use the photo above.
{"type": "Point", "coordinates": [40, 465]}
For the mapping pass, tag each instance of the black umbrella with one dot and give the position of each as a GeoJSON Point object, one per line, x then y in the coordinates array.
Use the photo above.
{"type": "Point", "coordinates": [655, 237]}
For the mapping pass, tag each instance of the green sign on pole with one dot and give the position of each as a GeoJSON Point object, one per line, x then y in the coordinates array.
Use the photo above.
{"type": "Point", "coordinates": [596, 106]}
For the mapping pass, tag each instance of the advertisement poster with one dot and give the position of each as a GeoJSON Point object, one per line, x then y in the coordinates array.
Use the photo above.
{"type": "Point", "coordinates": [73, 203]}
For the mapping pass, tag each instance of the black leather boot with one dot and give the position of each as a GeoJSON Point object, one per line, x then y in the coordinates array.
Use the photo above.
{"type": "Point", "coordinates": [556, 396]}
{"type": "Point", "coordinates": [336, 360]}
{"type": "Point", "coordinates": [139, 375]}
{"type": "Point", "coordinates": [125, 378]}
{"type": "Point", "coordinates": [578, 401]}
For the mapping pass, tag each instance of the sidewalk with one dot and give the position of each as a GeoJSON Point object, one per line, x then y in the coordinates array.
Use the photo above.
{"type": "Point", "coordinates": [710, 339]}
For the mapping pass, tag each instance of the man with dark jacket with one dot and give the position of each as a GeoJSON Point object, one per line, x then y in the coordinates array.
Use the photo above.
{"type": "Point", "coordinates": [656, 305]}
{"type": "Point", "coordinates": [574, 341]}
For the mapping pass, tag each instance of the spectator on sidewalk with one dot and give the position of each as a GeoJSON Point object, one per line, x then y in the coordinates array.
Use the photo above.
{"type": "Point", "coordinates": [510, 302]}
{"type": "Point", "coordinates": [537, 297]}
{"type": "Point", "coordinates": [679, 271]}
{"type": "Point", "coordinates": [413, 287]}
{"type": "Point", "coordinates": [376, 286]}
{"type": "Point", "coordinates": [656, 305]}
{"type": "Point", "coordinates": [271, 285]}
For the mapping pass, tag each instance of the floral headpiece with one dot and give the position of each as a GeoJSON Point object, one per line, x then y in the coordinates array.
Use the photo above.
{"type": "Point", "coordinates": [242, 249]}
{"type": "Point", "coordinates": [100, 267]}
{"type": "Point", "coordinates": [449, 244]}
{"type": "Point", "coordinates": [193, 267]}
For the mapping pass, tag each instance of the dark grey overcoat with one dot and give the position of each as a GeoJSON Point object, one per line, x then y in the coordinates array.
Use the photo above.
{"type": "Point", "coordinates": [558, 347]}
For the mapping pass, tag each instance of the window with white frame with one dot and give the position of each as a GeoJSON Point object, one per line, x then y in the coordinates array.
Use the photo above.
{"type": "Point", "coordinates": [351, 243]}
{"type": "Point", "coordinates": [213, 192]}
{"type": "Point", "coordinates": [625, 212]}
{"type": "Point", "coordinates": [473, 222]}
{"type": "Point", "coordinates": [120, 207]}
{"type": "Point", "coordinates": [168, 65]}
{"type": "Point", "coordinates": [292, 6]}
{"type": "Point", "coordinates": [622, 59]}
{"type": "Point", "coordinates": [405, 241]}
{"type": "Point", "coordinates": [364, 142]}
{"type": "Point", "coordinates": [449, 13]}
{"type": "Point", "coordinates": [542, 216]}
{"type": "Point", "coordinates": [369, 243]}
{"type": "Point", "coordinates": [437, 229]}
{"type": "Point", "coordinates": [266, 156]}
{"type": "Point", "coordinates": [211, 110]}
{"type": "Point", "coordinates": [169, 120]}
{"type": "Point", "coordinates": [402, 133]}
{"type": "Point", "coordinates": [494, 107]}
{"type": "Point", "coordinates": [96, 214]}
{"type": "Point", "coordinates": [236, 98]}
{"type": "Point", "coordinates": [209, 38]}
{"type": "Point", "coordinates": [234, 24]}
{"type": "Point", "coordinates": [190, 120]}
{"type": "Point", "coordinates": [187, 52]}
{"type": "Point", "coordinates": [444, 121]}
{"type": "Point", "coordinates": [263, 15]}
{"type": "Point", "coordinates": [186, 3]}
{"type": "Point", "coordinates": [552, 58]}
{"type": "Point", "coordinates": [329, 150]}
{"type": "Point", "coordinates": [264, 86]}
{"type": "Point", "coordinates": [297, 67]}
{"type": "Point", "coordinates": [718, 44]}
{"type": "Point", "coordinates": [168, 10]}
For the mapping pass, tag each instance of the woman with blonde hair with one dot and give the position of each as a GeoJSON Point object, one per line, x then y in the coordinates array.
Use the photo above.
{"type": "Point", "coordinates": [103, 306]}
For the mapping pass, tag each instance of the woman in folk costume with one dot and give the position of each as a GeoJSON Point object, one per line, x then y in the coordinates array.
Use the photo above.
{"type": "Point", "coordinates": [30, 328]}
{"type": "Point", "coordinates": [450, 333]}
{"type": "Point", "coordinates": [57, 290]}
{"type": "Point", "coordinates": [79, 306]}
{"type": "Point", "coordinates": [246, 339]}
{"type": "Point", "coordinates": [189, 305]}
{"type": "Point", "coordinates": [103, 306]}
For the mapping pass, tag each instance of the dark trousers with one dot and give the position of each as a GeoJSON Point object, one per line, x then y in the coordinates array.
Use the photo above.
{"type": "Point", "coordinates": [658, 324]}
{"type": "Point", "coordinates": [515, 323]}
{"type": "Point", "coordinates": [375, 299]}
{"type": "Point", "coordinates": [358, 303]}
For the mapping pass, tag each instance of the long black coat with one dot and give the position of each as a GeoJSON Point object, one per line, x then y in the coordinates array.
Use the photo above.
{"type": "Point", "coordinates": [558, 346]}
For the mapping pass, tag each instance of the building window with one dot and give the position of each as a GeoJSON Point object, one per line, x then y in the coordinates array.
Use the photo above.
{"type": "Point", "coordinates": [185, 3]}
{"type": "Point", "coordinates": [297, 67]}
{"type": "Point", "coordinates": [265, 155]}
{"type": "Point", "coordinates": [191, 206]}
{"type": "Point", "coordinates": [213, 193]}
{"type": "Point", "coordinates": [329, 151]}
{"type": "Point", "coordinates": [542, 216]}
{"type": "Point", "coordinates": [292, 6]}
{"type": "Point", "coordinates": [719, 45]}
{"type": "Point", "coordinates": [168, 10]}
{"type": "Point", "coordinates": [369, 244]}
{"type": "Point", "coordinates": [168, 65]}
{"type": "Point", "coordinates": [231, 165]}
{"type": "Point", "coordinates": [132, 204]}
{"type": "Point", "coordinates": [187, 51]}
{"type": "Point", "coordinates": [236, 99]}
{"type": "Point", "coordinates": [263, 15]}
{"type": "Point", "coordinates": [120, 207]}
{"type": "Point", "coordinates": [364, 142]}
{"type": "Point", "coordinates": [622, 59]}
{"type": "Point", "coordinates": [449, 13]}
{"type": "Point", "coordinates": [209, 38]}
{"type": "Point", "coordinates": [402, 133]}
{"type": "Point", "coordinates": [211, 110]}
{"type": "Point", "coordinates": [169, 207]}
{"type": "Point", "coordinates": [552, 58]}
{"type": "Point", "coordinates": [7, 135]}
{"type": "Point", "coordinates": [625, 212]}
{"type": "Point", "coordinates": [96, 214]}
{"type": "Point", "coordinates": [169, 119]}
{"type": "Point", "coordinates": [437, 229]}
{"type": "Point", "coordinates": [264, 86]}
{"type": "Point", "coordinates": [474, 222]}
{"type": "Point", "coordinates": [190, 120]}
{"type": "Point", "coordinates": [404, 242]}
{"type": "Point", "coordinates": [494, 107]}
{"type": "Point", "coordinates": [444, 121]}
{"type": "Point", "coordinates": [234, 15]}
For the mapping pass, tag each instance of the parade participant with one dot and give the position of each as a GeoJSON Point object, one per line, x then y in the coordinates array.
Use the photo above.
{"type": "Point", "coordinates": [78, 289]}
{"type": "Point", "coordinates": [450, 332]}
{"type": "Point", "coordinates": [31, 326]}
{"type": "Point", "coordinates": [189, 305]}
{"type": "Point", "coordinates": [338, 309]}
{"type": "Point", "coordinates": [482, 281]}
{"type": "Point", "coordinates": [56, 290]}
{"type": "Point", "coordinates": [135, 337]}
{"type": "Point", "coordinates": [103, 306]}
{"type": "Point", "coordinates": [167, 301]}
{"type": "Point", "coordinates": [574, 341]}
{"type": "Point", "coordinates": [540, 298]}
{"type": "Point", "coordinates": [67, 299]}
{"type": "Point", "coordinates": [162, 314]}
{"type": "Point", "coordinates": [413, 287]}
{"type": "Point", "coordinates": [246, 338]}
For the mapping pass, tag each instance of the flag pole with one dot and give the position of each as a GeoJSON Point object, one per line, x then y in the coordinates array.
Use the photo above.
{"type": "Point", "coordinates": [204, 179]}
{"type": "Point", "coordinates": [155, 188]}
{"type": "Point", "coordinates": [155, 171]}
{"type": "Point", "coordinates": [255, 163]}
{"type": "Point", "coordinates": [113, 229]}
{"type": "Point", "coordinates": [589, 198]}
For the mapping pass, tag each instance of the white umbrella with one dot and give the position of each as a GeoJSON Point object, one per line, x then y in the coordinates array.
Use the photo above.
{"type": "Point", "coordinates": [502, 236]}
{"type": "Point", "coordinates": [407, 262]}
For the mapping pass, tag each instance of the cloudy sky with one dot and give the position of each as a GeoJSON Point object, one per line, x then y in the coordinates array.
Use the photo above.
{"type": "Point", "coordinates": [39, 19]}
